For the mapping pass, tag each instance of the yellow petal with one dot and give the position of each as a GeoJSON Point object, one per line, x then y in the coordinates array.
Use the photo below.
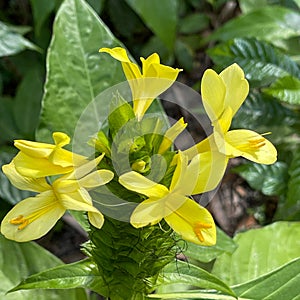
{"type": "Point", "coordinates": [117, 53]}
{"type": "Point", "coordinates": [38, 167]}
{"type": "Point", "coordinates": [32, 218]}
{"type": "Point", "coordinates": [194, 223]}
{"type": "Point", "coordinates": [60, 139]}
{"type": "Point", "coordinates": [65, 158]}
{"type": "Point", "coordinates": [206, 145]}
{"type": "Point", "coordinates": [237, 87]}
{"type": "Point", "coordinates": [213, 91]}
{"type": "Point", "coordinates": [96, 219]}
{"type": "Point", "coordinates": [179, 173]}
{"type": "Point", "coordinates": [171, 134]}
{"type": "Point", "coordinates": [96, 179]}
{"type": "Point", "coordinates": [23, 182]}
{"type": "Point", "coordinates": [138, 183]}
{"type": "Point", "coordinates": [250, 145]}
{"type": "Point", "coordinates": [152, 210]}
{"type": "Point", "coordinates": [146, 63]}
{"type": "Point", "coordinates": [212, 168]}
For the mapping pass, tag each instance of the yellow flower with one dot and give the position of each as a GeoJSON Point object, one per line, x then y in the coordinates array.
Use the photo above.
{"type": "Point", "coordinates": [143, 85]}
{"type": "Point", "coordinates": [222, 96]}
{"type": "Point", "coordinates": [35, 216]}
{"type": "Point", "coordinates": [193, 222]}
{"type": "Point", "coordinates": [41, 159]}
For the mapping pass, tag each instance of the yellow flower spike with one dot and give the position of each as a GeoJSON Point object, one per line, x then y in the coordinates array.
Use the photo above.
{"type": "Point", "coordinates": [222, 96]}
{"type": "Point", "coordinates": [170, 135]}
{"type": "Point", "coordinates": [35, 216]}
{"type": "Point", "coordinates": [144, 90]}
{"type": "Point", "coordinates": [37, 159]}
{"type": "Point", "coordinates": [186, 217]}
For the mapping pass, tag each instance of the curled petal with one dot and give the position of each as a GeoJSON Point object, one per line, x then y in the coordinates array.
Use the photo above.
{"type": "Point", "coordinates": [194, 223]}
{"type": "Point", "coordinates": [138, 183]}
{"type": "Point", "coordinates": [32, 218]}
{"type": "Point", "coordinates": [23, 182]}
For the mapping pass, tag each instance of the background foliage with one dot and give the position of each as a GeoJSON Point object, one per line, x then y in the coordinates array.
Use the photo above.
{"type": "Point", "coordinates": [50, 69]}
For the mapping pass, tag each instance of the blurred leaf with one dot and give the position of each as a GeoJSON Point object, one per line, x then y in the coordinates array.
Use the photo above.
{"type": "Point", "coordinates": [193, 23]}
{"type": "Point", "coordinates": [269, 179]}
{"type": "Point", "coordinates": [207, 254]}
{"type": "Point", "coordinates": [41, 10]}
{"type": "Point", "coordinates": [247, 6]}
{"type": "Point", "coordinates": [83, 273]}
{"type": "Point", "coordinates": [282, 283]}
{"type": "Point", "coordinates": [184, 55]}
{"type": "Point", "coordinates": [289, 207]}
{"type": "Point", "coordinates": [194, 294]}
{"type": "Point", "coordinates": [286, 89]}
{"type": "Point", "coordinates": [184, 273]}
{"type": "Point", "coordinates": [27, 104]}
{"type": "Point", "coordinates": [269, 23]}
{"type": "Point", "coordinates": [76, 72]}
{"type": "Point", "coordinates": [26, 259]}
{"type": "Point", "coordinates": [97, 5]}
{"type": "Point", "coordinates": [160, 16]}
{"type": "Point", "coordinates": [7, 191]}
{"type": "Point", "coordinates": [259, 251]}
{"type": "Point", "coordinates": [261, 62]}
{"type": "Point", "coordinates": [12, 42]}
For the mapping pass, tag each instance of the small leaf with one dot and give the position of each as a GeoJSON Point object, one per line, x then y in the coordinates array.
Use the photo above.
{"type": "Point", "coordinates": [193, 23]}
{"type": "Point", "coordinates": [282, 283]}
{"type": "Point", "coordinates": [13, 42]}
{"type": "Point", "coordinates": [269, 179]}
{"type": "Point", "coordinates": [26, 259]}
{"type": "Point", "coordinates": [206, 254]}
{"type": "Point", "coordinates": [259, 251]}
{"type": "Point", "coordinates": [159, 16]}
{"type": "Point", "coordinates": [184, 273]}
{"type": "Point", "coordinates": [286, 89]}
{"type": "Point", "coordinates": [270, 23]}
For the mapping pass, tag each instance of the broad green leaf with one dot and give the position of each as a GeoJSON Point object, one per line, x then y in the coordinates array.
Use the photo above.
{"type": "Point", "coordinates": [269, 23]}
{"type": "Point", "coordinates": [282, 283]}
{"type": "Point", "coordinates": [259, 251]}
{"type": "Point", "coordinates": [7, 191]}
{"type": "Point", "coordinates": [288, 206]}
{"type": "Point", "coordinates": [250, 5]}
{"type": "Point", "coordinates": [79, 274]}
{"type": "Point", "coordinates": [206, 254]}
{"type": "Point", "coordinates": [193, 23]}
{"type": "Point", "coordinates": [19, 260]}
{"type": "Point", "coordinates": [159, 16]}
{"type": "Point", "coordinates": [195, 294]}
{"type": "Point", "coordinates": [76, 72]}
{"type": "Point", "coordinates": [286, 89]}
{"type": "Point", "coordinates": [261, 61]}
{"type": "Point", "coordinates": [269, 179]}
{"type": "Point", "coordinates": [180, 272]}
{"type": "Point", "coordinates": [12, 42]}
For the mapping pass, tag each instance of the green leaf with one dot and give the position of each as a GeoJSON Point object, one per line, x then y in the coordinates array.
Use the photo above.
{"type": "Point", "coordinates": [247, 6]}
{"type": "Point", "coordinates": [206, 254]}
{"type": "Point", "coordinates": [76, 72]}
{"type": "Point", "coordinates": [269, 179]}
{"type": "Point", "coordinates": [184, 273]}
{"type": "Point", "coordinates": [79, 274]}
{"type": "Point", "coordinates": [193, 23]}
{"type": "Point", "coordinates": [261, 62]}
{"type": "Point", "coordinates": [270, 23]}
{"type": "Point", "coordinates": [282, 283]}
{"type": "Point", "coordinates": [12, 42]}
{"type": "Point", "coordinates": [260, 251]}
{"type": "Point", "coordinates": [286, 89]}
{"type": "Point", "coordinates": [195, 294]}
{"type": "Point", "coordinates": [289, 206]}
{"type": "Point", "coordinates": [160, 16]}
{"type": "Point", "coordinates": [26, 259]}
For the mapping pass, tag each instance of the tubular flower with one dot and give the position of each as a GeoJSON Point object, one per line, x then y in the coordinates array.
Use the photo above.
{"type": "Point", "coordinates": [35, 216]}
{"type": "Point", "coordinates": [41, 159]}
{"type": "Point", "coordinates": [193, 222]}
{"type": "Point", "coordinates": [144, 90]}
{"type": "Point", "coordinates": [222, 96]}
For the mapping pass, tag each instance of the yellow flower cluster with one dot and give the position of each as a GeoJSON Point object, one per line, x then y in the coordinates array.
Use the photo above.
{"type": "Point", "coordinates": [196, 170]}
